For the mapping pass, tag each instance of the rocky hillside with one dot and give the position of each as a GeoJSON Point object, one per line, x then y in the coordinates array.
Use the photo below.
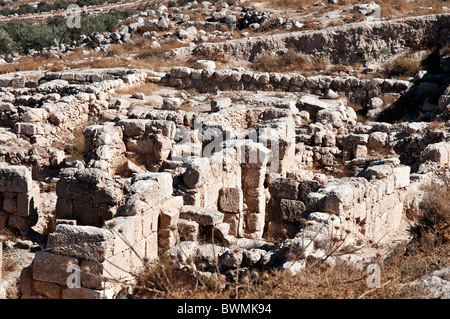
{"type": "Point", "coordinates": [225, 149]}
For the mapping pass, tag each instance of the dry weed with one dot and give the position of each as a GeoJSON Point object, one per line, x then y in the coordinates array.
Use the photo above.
{"type": "Point", "coordinates": [291, 62]}
{"type": "Point", "coordinates": [146, 88]}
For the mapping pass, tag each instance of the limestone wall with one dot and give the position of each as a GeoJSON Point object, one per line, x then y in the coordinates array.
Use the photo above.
{"type": "Point", "coordinates": [107, 256]}
{"type": "Point", "coordinates": [19, 198]}
{"type": "Point", "coordinates": [339, 43]}
{"type": "Point", "coordinates": [207, 80]}
{"type": "Point", "coordinates": [369, 206]}
{"type": "Point", "coordinates": [366, 207]}
{"type": "Point", "coordinates": [89, 196]}
{"type": "Point", "coordinates": [232, 183]}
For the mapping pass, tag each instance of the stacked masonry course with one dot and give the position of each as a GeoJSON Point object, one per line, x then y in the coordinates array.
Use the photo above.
{"type": "Point", "coordinates": [209, 80]}
{"type": "Point", "coordinates": [107, 254]}
{"type": "Point", "coordinates": [19, 198]}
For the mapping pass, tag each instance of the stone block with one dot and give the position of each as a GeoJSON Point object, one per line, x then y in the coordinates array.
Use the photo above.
{"type": "Point", "coordinates": [254, 224]}
{"type": "Point", "coordinates": [180, 72]}
{"type": "Point", "coordinates": [10, 205]}
{"type": "Point", "coordinates": [205, 64]}
{"type": "Point", "coordinates": [151, 247]}
{"type": "Point", "coordinates": [184, 251]}
{"type": "Point", "coordinates": [28, 202]}
{"type": "Point", "coordinates": [291, 210]}
{"type": "Point", "coordinates": [173, 203]}
{"type": "Point", "coordinates": [438, 153]}
{"type": "Point", "coordinates": [133, 127]}
{"type": "Point", "coordinates": [47, 289]}
{"type": "Point", "coordinates": [86, 242]}
{"type": "Point", "coordinates": [306, 187]}
{"type": "Point", "coordinates": [378, 171]}
{"type": "Point", "coordinates": [221, 231]}
{"type": "Point", "coordinates": [23, 224]}
{"type": "Point", "coordinates": [360, 151]}
{"type": "Point", "coordinates": [147, 191]}
{"type": "Point", "coordinates": [162, 146]}
{"type": "Point", "coordinates": [50, 267]}
{"type": "Point", "coordinates": [28, 129]}
{"type": "Point", "coordinates": [171, 103]}
{"type": "Point", "coordinates": [338, 199]}
{"type": "Point", "coordinates": [117, 267]}
{"type": "Point", "coordinates": [203, 216]}
{"type": "Point", "coordinates": [169, 219]}
{"type": "Point", "coordinates": [64, 208]}
{"type": "Point", "coordinates": [220, 104]}
{"type": "Point", "coordinates": [167, 238]}
{"type": "Point", "coordinates": [188, 230]}
{"type": "Point", "coordinates": [231, 200]}
{"type": "Point", "coordinates": [127, 231]}
{"type": "Point", "coordinates": [377, 139]}
{"type": "Point", "coordinates": [315, 201]}
{"type": "Point", "coordinates": [197, 173]}
{"type": "Point", "coordinates": [92, 275]}
{"type": "Point", "coordinates": [401, 176]}
{"type": "Point", "coordinates": [284, 188]}
{"type": "Point", "coordinates": [150, 222]}
{"type": "Point", "coordinates": [16, 179]}
{"type": "Point", "coordinates": [81, 293]}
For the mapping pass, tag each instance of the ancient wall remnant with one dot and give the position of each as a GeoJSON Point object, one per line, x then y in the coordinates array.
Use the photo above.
{"type": "Point", "coordinates": [19, 198]}
{"type": "Point", "coordinates": [89, 196]}
{"type": "Point", "coordinates": [207, 80]}
{"type": "Point", "coordinates": [371, 36]}
{"type": "Point", "coordinates": [107, 255]}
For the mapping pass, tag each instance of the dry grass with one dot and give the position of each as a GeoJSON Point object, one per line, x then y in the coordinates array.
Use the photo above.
{"type": "Point", "coordinates": [26, 63]}
{"type": "Point", "coordinates": [338, 69]}
{"type": "Point", "coordinates": [433, 220]}
{"type": "Point", "coordinates": [146, 88]}
{"type": "Point", "coordinates": [291, 62]}
{"type": "Point", "coordinates": [389, 99]}
{"type": "Point", "coordinates": [317, 281]}
{"type": "Point", "coordinates": [75, 151]}
{"type": "Point", "coordinates": [138, 54]}
{"type": "Point", "coordinates": [401, 67]}
{"type": "Point", "coordinates": [9, 264]}
{"type": "Point", "coordinates": [398, 8]}
{"type": "Point", "coordinates": [437, 126]}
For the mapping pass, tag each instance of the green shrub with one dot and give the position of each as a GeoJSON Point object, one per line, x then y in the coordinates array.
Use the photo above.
{"type": "Point", "coordinates": [26, 36]}
{"type": "Point", "coordinates": [25, 9]}
{"type": "Point", "coordinates": [6, 43]}
{"type": "Point", "coordinates": [361, 53]}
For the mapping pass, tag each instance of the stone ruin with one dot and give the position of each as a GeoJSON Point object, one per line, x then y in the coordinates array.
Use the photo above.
{"type": "Point", "coordinates": [109, 226]}
{"type": "Point", "coordinates": [19, 198]}
{"type": "Point", "coordinates": [213, 189]}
